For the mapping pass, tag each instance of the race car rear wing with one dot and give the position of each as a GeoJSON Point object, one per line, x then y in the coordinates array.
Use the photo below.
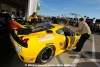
{"type": "Point", "coordinates": [25, 30]}
{"type": "Point", "coordinates": [13, 24]}
{"type": "Point", "coordinates": [16, 24]}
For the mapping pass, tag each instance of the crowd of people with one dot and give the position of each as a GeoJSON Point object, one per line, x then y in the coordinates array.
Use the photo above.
{"type": "Point", "coordinates": [35, 19]}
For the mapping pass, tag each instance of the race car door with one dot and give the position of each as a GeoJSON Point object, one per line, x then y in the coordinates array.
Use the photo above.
{"type": "Point", "coordinates": [61, 39]}
{"type": "Point", "coordinates": [71, 36]}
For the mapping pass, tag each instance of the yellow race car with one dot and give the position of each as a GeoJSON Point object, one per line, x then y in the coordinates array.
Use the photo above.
{"type": "Point", "coordinates": [40, 43]}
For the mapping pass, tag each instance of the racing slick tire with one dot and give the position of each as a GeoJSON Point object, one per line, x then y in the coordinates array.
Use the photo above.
{"type": "Point", "coordinates": [45, 55]}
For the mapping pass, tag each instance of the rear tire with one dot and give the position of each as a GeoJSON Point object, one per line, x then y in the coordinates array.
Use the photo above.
{"type": "Point", "coordinates": [45, 55]}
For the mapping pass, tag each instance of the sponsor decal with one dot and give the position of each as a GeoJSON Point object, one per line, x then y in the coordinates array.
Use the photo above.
{"type": "Point", "coordinates": [31, 59]}
{"type": "Point", "coordinates": [45, 37]}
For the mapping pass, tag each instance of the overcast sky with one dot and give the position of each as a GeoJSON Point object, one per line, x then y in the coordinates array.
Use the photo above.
{"type": "Point", "coordinates": [89, 8]}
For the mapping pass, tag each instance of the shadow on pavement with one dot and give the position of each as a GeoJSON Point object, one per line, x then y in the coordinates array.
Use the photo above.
{"type": "Point", "coordinates": [97, 54]}
{"type": "Point", "coordinates": [6, 52]}
{"type": "Point", "coordinates": [18, 63]}
{"type": "Point", "coordinates": [71, 52]}
{"type": "Point", "coordinates": [89, 53]}
{"type": "Point", "coordinates": [8, 56]}
{"type": "Point", "coordinates": [87, 64]}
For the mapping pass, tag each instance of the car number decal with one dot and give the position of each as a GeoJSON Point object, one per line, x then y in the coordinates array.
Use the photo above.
{"type": "Point", "coordinates": [45, 37]}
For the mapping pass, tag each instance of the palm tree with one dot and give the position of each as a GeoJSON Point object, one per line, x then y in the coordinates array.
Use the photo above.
{"type": "Point", "coordinates": [88, 17]}
{"type": "Point", "coordinates": [93, 18]}
{"type": "Point", "coordinates": [85, 16]}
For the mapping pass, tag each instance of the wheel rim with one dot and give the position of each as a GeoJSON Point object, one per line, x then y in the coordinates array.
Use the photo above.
{"type": "Point", "coordinates": [47, 54]}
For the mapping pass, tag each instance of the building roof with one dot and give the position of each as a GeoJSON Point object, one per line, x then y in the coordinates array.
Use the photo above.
{"type": "Point", "coordinates": [20, 4]}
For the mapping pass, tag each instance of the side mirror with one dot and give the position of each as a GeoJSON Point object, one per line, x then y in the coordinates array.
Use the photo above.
{"type": "Point", "coordinates": [72, 34]}
{"type": "Point", "coordinates": [49, 31]}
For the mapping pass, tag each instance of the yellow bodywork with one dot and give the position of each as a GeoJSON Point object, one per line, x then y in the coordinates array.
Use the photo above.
{"type": "Point", "coordinates": [38, 41]}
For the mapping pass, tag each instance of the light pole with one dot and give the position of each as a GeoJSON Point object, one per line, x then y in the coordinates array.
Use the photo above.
{"type": "Point", "coordinates": [94, 19]}
{"type": "Point", "coordinates": [85, 17]}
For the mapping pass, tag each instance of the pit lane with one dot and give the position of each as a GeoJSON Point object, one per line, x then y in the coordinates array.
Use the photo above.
{"type": "Point", "coordinates": [90, 55]}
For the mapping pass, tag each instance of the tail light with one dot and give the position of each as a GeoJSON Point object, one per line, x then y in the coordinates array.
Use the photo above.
{"type": "Point", "coordinates": [24, 40]}
{"type": "Point", "coordinates": [21, 38]}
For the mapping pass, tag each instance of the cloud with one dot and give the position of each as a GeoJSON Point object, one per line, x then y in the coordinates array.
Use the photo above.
{"type": "Point", "coordinates": [43, 4]}
{"type": "Point", "coordinates": [53, 9]}
{"type": "Point", "coordinates": [46, 5]}
{"type": "Point", "coordinates": [40, 1]}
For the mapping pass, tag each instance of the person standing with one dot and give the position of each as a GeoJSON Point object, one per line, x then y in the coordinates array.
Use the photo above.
{"type": "Point", "coordinates": [33, 19]}
{"type": "Point", "coordinates": [85, 32]}
{"type": "Point", "coordinates": [39, 19]}
{"type": "Point", "coordinates": [47, 19]}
